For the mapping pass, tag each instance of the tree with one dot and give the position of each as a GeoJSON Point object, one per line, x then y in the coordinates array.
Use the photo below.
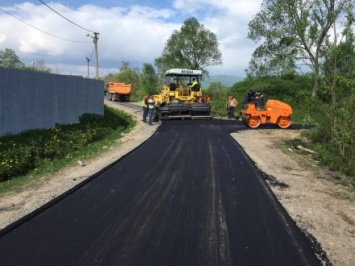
{"type": "Point", "coordinates": [129, 76]}
{"type": "Point", "coordinates": [40, 66]}
{"type": "Point", "coordinates": [9, 59]}
{"type": "Point", "coordinates": [293, 31]}
{"type": "Point", "coordinates": [150, 82]}
{"type": "Point", "coordinates": [338, 69]}
{"type": "Point", "coordinates": [340, 58]}
{"type": "Point", "coordinates": [192, 47]}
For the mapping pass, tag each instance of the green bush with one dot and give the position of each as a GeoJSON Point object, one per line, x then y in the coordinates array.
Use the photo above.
{"type": "Point", "coordinates": [22, 153]}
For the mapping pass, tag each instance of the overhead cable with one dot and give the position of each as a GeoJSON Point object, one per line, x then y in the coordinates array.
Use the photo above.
{"type": "Point", "coordinates": [40, 29]}
{"type": "Point", "coordinates": [64, 17]}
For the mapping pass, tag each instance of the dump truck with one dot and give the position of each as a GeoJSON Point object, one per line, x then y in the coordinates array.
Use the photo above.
{"type": "Point", "coordinates": [116, 91]}
{"type": "Point", "coordinates": [256, 112]}
{"type": "Point", "coordinates": [181, 96]}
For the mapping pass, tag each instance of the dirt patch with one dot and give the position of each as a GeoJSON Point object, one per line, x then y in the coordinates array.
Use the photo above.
{"type": "Point", "coordinates": [316, 205]}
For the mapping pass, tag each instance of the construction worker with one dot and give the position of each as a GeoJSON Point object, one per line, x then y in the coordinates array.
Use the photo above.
{"type": "Point", "coordinates": [145, 108]}
{"type": "Point", "coordinates": [231, 105]}
{"type": "Point", "coordinates": [253, 97]}
{"type": "Point", "coordinates": [151, 107]}
{"type": "Point", "coordinates": [207, 99]}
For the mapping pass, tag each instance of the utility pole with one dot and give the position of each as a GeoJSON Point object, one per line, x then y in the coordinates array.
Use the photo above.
{"type": "Point", "coordinates": [88, 60]}
{"type": "Point", "coordinates": [95, 39]}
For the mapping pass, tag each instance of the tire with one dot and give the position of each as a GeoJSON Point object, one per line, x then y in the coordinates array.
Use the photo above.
{"type": "Point", "coordinates": [284, 121]}
{"type": "Point", "coordinates": [254, 121]}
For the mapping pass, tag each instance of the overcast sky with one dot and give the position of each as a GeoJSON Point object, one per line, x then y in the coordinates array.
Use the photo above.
{"type": "Point", "coordinates": [129, 30]}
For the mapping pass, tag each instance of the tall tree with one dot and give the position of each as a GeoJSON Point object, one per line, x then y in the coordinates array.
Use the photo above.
{"type": "Point", "coordinates": [292, 31]}
{"type": "Point", "coordinates": [150, 81]}
{"type": "Point", "coordinates": [9, 59]}
{"type": "Point", "coordinates": [193, 47]}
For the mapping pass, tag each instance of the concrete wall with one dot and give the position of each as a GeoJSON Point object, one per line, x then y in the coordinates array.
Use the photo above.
{"type": "Point", "coordinates": [34, 100]}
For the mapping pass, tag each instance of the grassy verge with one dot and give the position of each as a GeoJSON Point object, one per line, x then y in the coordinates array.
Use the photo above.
{"type": "Point", "coordinates": [28, 156]}
{"type": "Point", "coordinates": [313, 162]}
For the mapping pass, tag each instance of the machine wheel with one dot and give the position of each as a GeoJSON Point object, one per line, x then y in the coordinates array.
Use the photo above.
{"type": "Point", "coordinates": [284, 121]}
{"type": "Point", "coordinates": [254, 121]}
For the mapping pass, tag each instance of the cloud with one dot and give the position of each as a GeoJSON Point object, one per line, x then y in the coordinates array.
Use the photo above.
{"type": "Point", "coordinates": [136, 34]}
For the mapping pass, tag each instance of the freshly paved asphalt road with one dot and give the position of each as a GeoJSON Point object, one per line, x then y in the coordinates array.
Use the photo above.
{"type": "Point", "coordinates": [188, 196]}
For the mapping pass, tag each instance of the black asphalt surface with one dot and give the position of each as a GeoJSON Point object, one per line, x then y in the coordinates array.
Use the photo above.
{"type": "Point", "coordinates": [187, 196]}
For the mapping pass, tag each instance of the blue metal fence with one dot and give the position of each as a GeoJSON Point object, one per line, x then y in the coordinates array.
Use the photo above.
{"type": "Point", "coordinates": [35, 100]}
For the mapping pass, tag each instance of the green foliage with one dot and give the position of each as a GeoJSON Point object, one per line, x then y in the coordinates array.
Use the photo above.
{"type": "Point", "coordinates": [291, 88]}
{"type": "Point", "coordinates": [294, 31]}
{"type": "Point", "coordinates": [9, 59]}
{"type": "Point", "coordinates": [335, 131]}
{"type": "Point", "coordinates": [150, 81]}
{"type": "Point", "coordinates": [193, 47]}
{"type": "Point", "coordinates": [219, 95]}
{"type": "Point", "coordinates": [23, 153]}
{"type": "Point", "coordinates": [127, 75]}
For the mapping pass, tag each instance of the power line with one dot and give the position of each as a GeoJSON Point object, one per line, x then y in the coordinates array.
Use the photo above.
{"type": "Point", "coordinates": [64, 17]}
{"type": "Point", "coordinates": [95, 37]}
{"type": "Point", "coordinates": [40, 29]}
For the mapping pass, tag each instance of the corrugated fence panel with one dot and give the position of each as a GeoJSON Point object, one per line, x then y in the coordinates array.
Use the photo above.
{"type": "Point", "coordinates": [34, 100]}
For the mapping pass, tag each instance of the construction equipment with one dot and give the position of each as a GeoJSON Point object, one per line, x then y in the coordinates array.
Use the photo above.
{"type": "Point", "coordinates": [181, 97]}
{"type": "Point", "coordinates": [118, 91]}
{"type": "Point", "coordinates": [275, 112]}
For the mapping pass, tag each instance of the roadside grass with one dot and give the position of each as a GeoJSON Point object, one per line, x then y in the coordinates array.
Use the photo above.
{"type": "Point", "coordinates": [26, 157]}
{"type": "Point", "coordinates": [313, 162]}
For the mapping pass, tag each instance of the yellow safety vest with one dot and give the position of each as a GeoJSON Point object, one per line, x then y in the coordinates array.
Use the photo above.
{"type": "Point", "coordinates": [143, 103]}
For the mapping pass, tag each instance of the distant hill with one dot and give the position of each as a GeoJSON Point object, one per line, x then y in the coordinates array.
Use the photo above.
{"type": "Point", "coordinates": [226, 80]}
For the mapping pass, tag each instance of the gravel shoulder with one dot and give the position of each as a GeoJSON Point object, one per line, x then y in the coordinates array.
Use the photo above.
{"type": "Point", "coordinates": [316, 205]}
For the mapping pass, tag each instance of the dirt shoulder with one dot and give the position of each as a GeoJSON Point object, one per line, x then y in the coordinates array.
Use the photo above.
{"type": "Point", "coordinates": [315, 204]}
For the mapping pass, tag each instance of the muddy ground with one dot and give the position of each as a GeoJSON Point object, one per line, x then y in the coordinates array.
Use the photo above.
{"type": "Point", "coordinates": [317, 206]}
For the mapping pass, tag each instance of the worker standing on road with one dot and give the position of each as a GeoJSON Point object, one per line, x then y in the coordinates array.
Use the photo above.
{"type": "Point", "coordinates": [151, 107]}
{"type": "Point", "coordinates": [145, 108]}
{"type": "Point", "coordinates": [231, 105]}
{"type": "Point", "coordinates": [207, 99]}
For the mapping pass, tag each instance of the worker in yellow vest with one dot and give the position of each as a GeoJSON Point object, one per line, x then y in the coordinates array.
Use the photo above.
{"type": "Point", "coordinates": [145, 108]}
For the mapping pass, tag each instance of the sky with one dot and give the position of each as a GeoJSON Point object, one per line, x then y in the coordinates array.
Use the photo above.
{"type": "Point", "coordinates": [60, 32]}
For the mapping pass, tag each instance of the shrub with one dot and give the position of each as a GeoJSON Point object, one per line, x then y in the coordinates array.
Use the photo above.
{"type": "Point", "coordinates": [22, 153]}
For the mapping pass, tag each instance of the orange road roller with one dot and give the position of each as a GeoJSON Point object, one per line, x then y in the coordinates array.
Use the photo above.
{"type": "Point", "coordinates": [275, 112]}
